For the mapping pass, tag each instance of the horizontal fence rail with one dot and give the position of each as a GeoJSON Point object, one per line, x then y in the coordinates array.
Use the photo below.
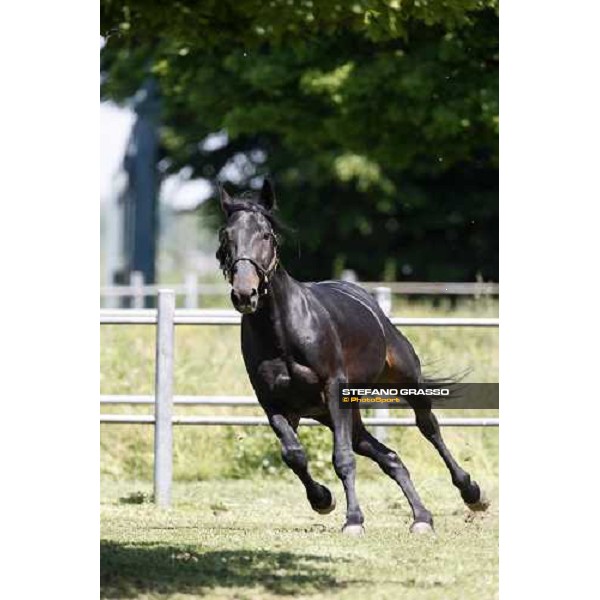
{"type": "Point", "coordinates": [231, 317]}
{"type": "Point", "coordinates": [251, 401]}
{"type": "Point", "coordinates": [180, 289]}
{"type": "Point", "coordinates": [184, 400]}
{"type": "Point", "coordinates": [193, 286]}
{"type": "Point", "coordinates": [148, 400]}
{"type": "Point", "coordinates": [163, 419]}
{"type": "Point", "coordinates": [474, 288]}
{"type": "Point", "coordinates": [249, 420]}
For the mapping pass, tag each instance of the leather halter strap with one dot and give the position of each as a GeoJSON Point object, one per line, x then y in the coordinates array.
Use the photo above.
{"type": "Point", "coordinates": [264, 274]}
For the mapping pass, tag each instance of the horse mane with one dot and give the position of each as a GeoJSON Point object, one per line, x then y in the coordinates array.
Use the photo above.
{"type": "Point", "coordinates": [250, 201]}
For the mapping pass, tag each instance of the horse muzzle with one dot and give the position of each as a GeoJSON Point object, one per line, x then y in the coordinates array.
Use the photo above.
{"type": "Point", "coordinates": [245, 284]}
{"type": "Point", "coordinates": [245, 303]}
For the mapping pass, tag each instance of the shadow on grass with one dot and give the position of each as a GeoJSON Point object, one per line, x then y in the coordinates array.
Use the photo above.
{"type": "Point", "coordinates": [128, 570]}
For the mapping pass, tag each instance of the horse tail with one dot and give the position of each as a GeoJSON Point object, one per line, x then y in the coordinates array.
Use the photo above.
{"type": "Point", "coordinates": [453, 382]}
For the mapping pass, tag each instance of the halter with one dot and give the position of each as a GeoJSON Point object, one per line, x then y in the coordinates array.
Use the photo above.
{"type": "Point", "coordinates": [227, 266]}
{"type": "Point", "coordinates": [264, 274]}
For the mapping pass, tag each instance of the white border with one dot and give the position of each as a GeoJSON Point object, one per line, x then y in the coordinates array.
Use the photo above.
{"type": "Point", "coordinates": [549, 336]}
{"type": "Point", "coordinates": [49, 240]}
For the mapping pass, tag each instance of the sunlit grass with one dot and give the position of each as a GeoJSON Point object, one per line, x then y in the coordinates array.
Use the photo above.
{"type": "Point", "coordinates": [260, 540]}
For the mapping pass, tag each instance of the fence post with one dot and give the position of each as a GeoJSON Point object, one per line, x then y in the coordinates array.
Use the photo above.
{"type": "Point", "coordinates": [136, 281]}
{"type": "Point", "coordinates": [349, 275]}
{"type": "Point", "coordinates": [163, 406]}
{"type": "Point", "coordinates": [383, 295]}
{"type": "Point", "coordinates": [191, 290]}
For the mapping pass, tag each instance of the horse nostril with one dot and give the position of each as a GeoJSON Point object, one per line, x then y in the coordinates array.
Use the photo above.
{"type": "Point", "coordinates": [242, 299]}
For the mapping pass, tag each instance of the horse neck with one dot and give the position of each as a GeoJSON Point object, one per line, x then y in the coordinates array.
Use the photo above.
{"type": "Point", "coordinates": [277, 303]}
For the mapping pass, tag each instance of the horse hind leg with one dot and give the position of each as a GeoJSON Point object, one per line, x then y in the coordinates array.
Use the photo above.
{"type": "Point", "coordinates": [402, 366]}
{"type": "Point", "coordinates": [471, 493]}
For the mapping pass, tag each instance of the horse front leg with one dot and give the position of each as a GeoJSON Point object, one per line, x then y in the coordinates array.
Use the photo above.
{"type": "Point", "coordinates": [344, 462]}
{"type": "Point", "coordinates": [320, 497]}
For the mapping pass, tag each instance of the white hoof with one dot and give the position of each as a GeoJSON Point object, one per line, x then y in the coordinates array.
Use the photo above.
{"type": "Point", "coordinates": [353, 530]}
{"type": "Point", "coordinates": [482, 504]}
{"type": "Point", "coordinates": [421, 527]}
{"type": "Point", "coordinates": [327, 509]}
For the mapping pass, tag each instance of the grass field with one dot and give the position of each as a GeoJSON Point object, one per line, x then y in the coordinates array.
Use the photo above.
{"type": "Point", "coordinates": [259, 539]}
{"type": "Point", "coordinates": [240, 526]}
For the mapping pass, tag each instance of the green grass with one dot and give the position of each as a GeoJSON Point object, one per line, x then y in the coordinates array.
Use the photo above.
{"type": "Point", "coordinates": [259, 539]}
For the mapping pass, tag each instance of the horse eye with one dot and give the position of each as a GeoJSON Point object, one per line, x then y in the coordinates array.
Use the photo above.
{"type": "Point", "coordinates": [266, 236]}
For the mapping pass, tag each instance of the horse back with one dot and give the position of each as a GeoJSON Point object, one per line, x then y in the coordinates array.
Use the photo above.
{"type": "Point", "coordinates": [360, 325]}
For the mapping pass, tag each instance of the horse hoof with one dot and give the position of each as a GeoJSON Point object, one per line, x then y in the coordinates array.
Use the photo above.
{"type": "Point", "coordinates": [421, 527]}
{"type": "Point", "coordinates": [353, 529]}
{"type": "Point", "coordinates": [327, 509]}
{"type": "Point", "coordinates": [482, 504]}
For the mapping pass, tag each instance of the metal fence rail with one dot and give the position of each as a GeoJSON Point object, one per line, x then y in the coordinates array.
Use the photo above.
{"type": "Point", "coordinates": [184, 400]}
{"type": "Point", "coordinates": [250, 420]}
{"type": "Point", "coordinates": [165, 318]}
{"type": "Point", "coordinates": [252, 402]}
{"type": "Point", "coordinates": [191, 289]}
{"type": "Point", "coordinates": [231, 317]}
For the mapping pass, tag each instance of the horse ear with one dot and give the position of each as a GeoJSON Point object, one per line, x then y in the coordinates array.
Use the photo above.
{"type": "Point", "coordinates": [267, 194]}
{"type": "Point", "coordinates": [226, 200]}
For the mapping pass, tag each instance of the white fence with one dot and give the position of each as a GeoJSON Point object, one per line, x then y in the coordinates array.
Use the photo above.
{"type": "Point", "coordinates": [163, 419]}
{"type": "Point", "coordinates": [192, 290]}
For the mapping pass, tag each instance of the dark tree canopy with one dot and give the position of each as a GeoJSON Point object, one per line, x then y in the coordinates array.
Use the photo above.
{"type": "Point", "coordinates": [378, 120]}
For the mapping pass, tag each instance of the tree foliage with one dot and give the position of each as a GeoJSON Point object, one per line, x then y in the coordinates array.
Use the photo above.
{"type": "Point", "coordinates": [379, 120]}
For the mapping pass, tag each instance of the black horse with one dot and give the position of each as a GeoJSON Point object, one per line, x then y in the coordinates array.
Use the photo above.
{"type": "Point", "coordinates": [301, 340]}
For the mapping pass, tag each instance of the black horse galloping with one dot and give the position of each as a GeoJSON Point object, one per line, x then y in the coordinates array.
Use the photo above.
{"type": "Point", "coordinates": [301, 340]}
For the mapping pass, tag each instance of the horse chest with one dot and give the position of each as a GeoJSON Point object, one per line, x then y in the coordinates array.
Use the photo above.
{"type": "Point", "coordinates": [288, 388]}
{"type": "Point", "coordinates": [280, 376]}
{"type": "Point", "coordinates": [283, 376]}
